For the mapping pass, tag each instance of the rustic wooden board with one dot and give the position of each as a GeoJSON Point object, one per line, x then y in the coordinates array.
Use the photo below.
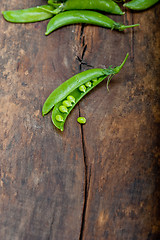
{"type": "Point", "coordinates": [96, 182]}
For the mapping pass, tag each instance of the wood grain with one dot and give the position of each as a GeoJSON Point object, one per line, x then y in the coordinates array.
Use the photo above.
{"type": "Point", "coordinates": [99, 181]}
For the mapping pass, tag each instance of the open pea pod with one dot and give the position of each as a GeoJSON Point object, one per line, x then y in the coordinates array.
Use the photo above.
{"type": "Point", "coordinates": [63, 108]}
{"type": "Point", "coordinates": [68, 94]}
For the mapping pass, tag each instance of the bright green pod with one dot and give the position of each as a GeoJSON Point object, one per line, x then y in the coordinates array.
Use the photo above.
{"type": "Point", "coordinates": [110, 72]}
{"type": "Point", "coordinates": [140, 5]}
{"type": "Point", "coordinates": [67, 87]}
{"type": "Point", "coordinates": [78, 96]}
{"type": "Point", "coordinates": [29, 15]}
{"type": "Point", "coordinates": [84, 16]}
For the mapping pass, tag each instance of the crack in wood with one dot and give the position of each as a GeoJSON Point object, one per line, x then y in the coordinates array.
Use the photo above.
{"type": "Point", "coordinates": [82, 63]}
{"type": "Point", "coordinates": [86, 167]}
{"type": "Point", "coordinates": [87, 184]}
{"type": "Point", "coordinates": [50, 230]}
{"type": "Point", "coordinates": [81, 34]}
{"type": "Point", "coordinates": [84, 46]}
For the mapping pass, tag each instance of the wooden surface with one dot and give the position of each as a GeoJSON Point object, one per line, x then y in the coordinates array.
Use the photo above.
{"type": "Point", "coordinates": [95, 182]}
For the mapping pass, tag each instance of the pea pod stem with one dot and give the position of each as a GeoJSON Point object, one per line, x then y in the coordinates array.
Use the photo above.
{"type": "Point", "coordinates": [70, 89]}
{"type": "Point", "coordinates": [116, 70]}
{"type": "Point", "coordinates": [84, 16]}
{"type": "Point", "coordinates": [28, 15]}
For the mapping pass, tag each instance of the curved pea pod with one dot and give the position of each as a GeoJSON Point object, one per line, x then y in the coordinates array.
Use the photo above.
{"type": "Point", "coordinates": [71, 90]}
{"type": "Point", "coordinates": [108, 6]}
{"type": "Point", "coordinates": [140, 5]}
{"type": "Point", "coordinates": [78, 95]}
{"type": "Point", "coordinates": [84, 16]}
{"type": "Point", "coordinates": [29, 15]}
{"type": "Point", "coordinates": [71, 84]}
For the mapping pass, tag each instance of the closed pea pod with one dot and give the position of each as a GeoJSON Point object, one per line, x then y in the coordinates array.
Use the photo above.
{"type": "Point", "coordinates": [84, 16]}
{"type": "Point", "coordinates": [140, 5]}
{"type": "Point", "coordinates": [103, 5]}
{"type": "Point", "coordinates": [71, 88]}
{"type": "Point", "coordinates": [29, 15]}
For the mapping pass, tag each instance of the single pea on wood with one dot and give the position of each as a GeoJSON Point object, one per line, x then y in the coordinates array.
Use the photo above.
{"type": "Point", "coordinates": [81, 120]}
{"type": "Point", "coordinates": [69, 92]}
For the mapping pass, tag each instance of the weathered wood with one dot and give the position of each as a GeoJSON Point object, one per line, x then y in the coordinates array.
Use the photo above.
{"type": "Point", "coordinates": [42, 172]}
{"type": "Point", "coordinates": [121, 134]}
{"type": "Point", "coordinates": [99, 181]}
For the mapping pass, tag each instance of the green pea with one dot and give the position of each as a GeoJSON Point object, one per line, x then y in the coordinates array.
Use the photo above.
{"type": "Point", "coordinates": [63, 109]}
{"type": "Point", "coordinates": [59, 118]}
{"type": "Point", "coordinates": [94, 80]}
{"type": "Point", "coordinates": [67, 103]}
{"type": "Point", "coordinates": [70, 87]}
{"type": "Point", "coordinates": [81, 120]}
{"type": "Point", "coordinates": [71, 99]}
{"type": "Point", "coordinates": [67, 87]}
{"type": "Point", "coordinates": [82, 88]}
{"type": "Point", "coordinates": [88, 84]}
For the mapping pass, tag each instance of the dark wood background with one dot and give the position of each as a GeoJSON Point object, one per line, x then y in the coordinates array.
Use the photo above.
{"type": "Point", "coordinates": [99, 181]}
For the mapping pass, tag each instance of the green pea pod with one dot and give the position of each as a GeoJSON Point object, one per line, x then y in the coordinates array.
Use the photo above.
{"type": "Point", "coordinates": [84, 16]}
{"type": "Point", "coordinates": [140, 5]}
{"type": "Point", "coordinates": [70, 85]}
{"type": "Point", "coordinates": [34, 14]}
{"type": "Point", "coordinates": [103, 5]}
{"type": "Point", "coordinates": [71, 88]}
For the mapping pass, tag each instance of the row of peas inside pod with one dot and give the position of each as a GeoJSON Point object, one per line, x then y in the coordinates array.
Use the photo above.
{"type": "Point", "coordinates": [65, 97]}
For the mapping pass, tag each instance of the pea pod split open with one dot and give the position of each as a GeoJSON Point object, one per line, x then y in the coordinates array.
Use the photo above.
{"type": "Point", "coordinates": [84, 16]}
{"type": "Point", "coordinates": [103, 5]}
{"type": "Point", "coordinates": [68, 94]}
{"type": "Point", "coordinates": [29, 15]}
{"type": "Point", "coordinates": [140, 5]}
